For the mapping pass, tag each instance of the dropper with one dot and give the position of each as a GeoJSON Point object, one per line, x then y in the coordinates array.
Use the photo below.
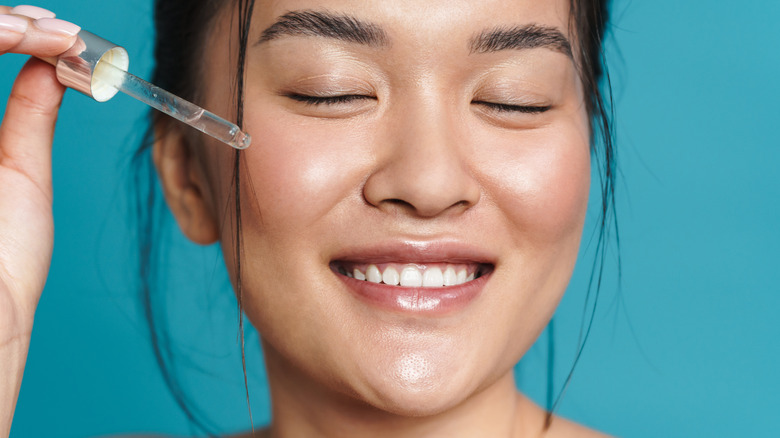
{"type": "Point", "coordinates": [98, 68]}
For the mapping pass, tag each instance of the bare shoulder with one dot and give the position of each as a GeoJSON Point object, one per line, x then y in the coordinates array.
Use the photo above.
{"type": "Point", "coordinates": [561, 427]}
{"type": "Point", "coordinates": [533, 422]}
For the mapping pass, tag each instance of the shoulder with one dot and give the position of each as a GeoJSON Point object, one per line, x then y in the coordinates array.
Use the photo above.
{"type": "Point", "coordinates": [532, 420]}
{"type": "Point", "coordinates": [561, 427]}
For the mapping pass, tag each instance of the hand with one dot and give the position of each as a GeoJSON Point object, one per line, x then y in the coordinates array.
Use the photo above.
{"type": "Point", "coordinates": [26, 223]}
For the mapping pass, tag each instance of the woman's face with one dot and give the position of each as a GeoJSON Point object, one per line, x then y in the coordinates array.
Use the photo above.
{"type": "Point", "coordinates": [404, 141]}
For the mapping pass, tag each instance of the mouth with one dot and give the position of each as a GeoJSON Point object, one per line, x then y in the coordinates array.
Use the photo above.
{"type": "Point", "coordinates": [415, 278]}
{"type": "Point", "coordinates": [412, 274]}
{"type": "Point", "coordinates": [419, 288]}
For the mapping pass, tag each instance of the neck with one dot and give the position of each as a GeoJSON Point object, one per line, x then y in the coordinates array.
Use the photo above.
{"type": "Point", "coordinates": [303, 407]}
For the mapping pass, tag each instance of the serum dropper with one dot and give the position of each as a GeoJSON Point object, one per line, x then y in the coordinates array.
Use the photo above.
{"type": "Point", "coordinates": [98, 69]}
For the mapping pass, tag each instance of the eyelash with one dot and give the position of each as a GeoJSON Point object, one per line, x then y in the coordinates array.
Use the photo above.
{"type": "Point", "coordinates": [508, 108]}
{"type": "Point", "coordinates": [348, 98]}
{"type": "Point", "coordinates": [328, 100]}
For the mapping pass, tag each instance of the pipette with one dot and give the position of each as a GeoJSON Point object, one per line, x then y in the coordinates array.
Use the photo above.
{"type": "Point", "coordinates": [98, 68]}
{"type": "Point", "coordinates": [176, 107]}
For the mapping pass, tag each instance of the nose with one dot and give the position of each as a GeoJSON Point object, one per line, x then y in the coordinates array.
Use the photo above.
{"type": "Point", "coordinates": [422, 166]}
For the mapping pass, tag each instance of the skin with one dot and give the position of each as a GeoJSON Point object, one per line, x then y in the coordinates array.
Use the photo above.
{"type": "Point", "coordinates": [419, 158]}
{"type": "Point", "coordinates": [26, 224]}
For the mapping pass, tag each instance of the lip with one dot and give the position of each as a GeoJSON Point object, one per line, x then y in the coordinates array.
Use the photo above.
{"type": "Point", "coordinates": [424, 301]}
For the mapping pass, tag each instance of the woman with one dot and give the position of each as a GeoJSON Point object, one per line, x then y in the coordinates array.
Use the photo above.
{"type": "Point", "coordinates": [406, 220]}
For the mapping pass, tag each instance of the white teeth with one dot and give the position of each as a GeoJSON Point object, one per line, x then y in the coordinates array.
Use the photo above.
{"type": "Point", "coordinates": [433, 278]}
{"type": "Point", "coordinates": [450, 277]}
{"type": "Point", "coordinates": [391, 277]}
{"type": "Point", "coordinates": [411, 277]}
{"type": "Point", "coordinates": [373, 275]}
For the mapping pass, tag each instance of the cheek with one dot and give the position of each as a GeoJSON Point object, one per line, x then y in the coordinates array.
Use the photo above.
{"type": "Point", "coordinates": [301, 171]}
{"type": "Point", "coordinates": [541, 181]}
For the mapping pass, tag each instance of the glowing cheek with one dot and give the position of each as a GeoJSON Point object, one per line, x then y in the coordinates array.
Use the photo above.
{"type": "Point", "coordinates": [562, 191]}
{"type": "Point", "coordinates": [543, 186]}
{"type": "Point", "coordinates": [300, 172]}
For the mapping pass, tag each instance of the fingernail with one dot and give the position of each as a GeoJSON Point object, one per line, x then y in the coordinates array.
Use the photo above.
{"type": "Point", "coordinates": [55, 25]}
{"type": "Point", "coordinates": [33, 12]}
{"type": "Point", "coordinates": [14, 24]}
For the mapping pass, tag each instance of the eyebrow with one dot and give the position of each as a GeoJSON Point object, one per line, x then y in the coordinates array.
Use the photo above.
{"type": "Point", "coordinates": [530, 36]}
{"type": "Point", "coordinates": [350, 29]}
{"type": "Point", "coordinates": [325, 24]}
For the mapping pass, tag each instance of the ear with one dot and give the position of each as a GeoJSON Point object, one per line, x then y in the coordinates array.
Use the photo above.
{"type": "Point", "coordinates": [184, 184]}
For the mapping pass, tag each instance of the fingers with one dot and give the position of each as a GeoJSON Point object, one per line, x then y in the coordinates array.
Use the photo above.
{"type": "Point", "coordinates": [27, 129]}
{"type": "Point", "coordinates": [34, 31]}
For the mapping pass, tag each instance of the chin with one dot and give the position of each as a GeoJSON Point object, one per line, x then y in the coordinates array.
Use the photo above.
{"type": "Point", "coordinates": [421, 383]}
{"type": "Point", "coordinates": [421, 400]}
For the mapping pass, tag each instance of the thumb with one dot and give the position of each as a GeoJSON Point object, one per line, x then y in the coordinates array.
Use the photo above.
{"type": "Point", "coordinates": [27, 129]}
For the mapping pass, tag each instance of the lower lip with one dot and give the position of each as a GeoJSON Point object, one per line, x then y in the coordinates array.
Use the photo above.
{"type": "Point", "coordinates": [429, 301]}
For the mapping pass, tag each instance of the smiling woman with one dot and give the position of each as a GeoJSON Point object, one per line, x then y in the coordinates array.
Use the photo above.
{"type": "Point", "coordinates": [407, 218]}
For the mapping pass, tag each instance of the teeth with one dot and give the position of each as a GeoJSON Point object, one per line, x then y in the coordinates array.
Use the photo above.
{"type": "Point", "coordinates": [433, 278]}
{"type": "Point", "coordinates": [373, 275]}
{"type": "Point", "coordinates": [450, 277]}
{"type": "Point", "coordinates": [391, 277]}
{"type": "Point", "coordinates": [413, 275]}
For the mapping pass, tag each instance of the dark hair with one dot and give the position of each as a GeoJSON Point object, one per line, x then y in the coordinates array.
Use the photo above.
{"type": "Point", "coordinates": [181, 27]}
{"type": "Point", "coordinates": [589, 23]}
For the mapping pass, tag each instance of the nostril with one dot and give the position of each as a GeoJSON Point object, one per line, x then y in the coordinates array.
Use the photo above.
{"type": "Point", "coordinates": [395, 205]}
{"type": "Point", "coordinates": [420, 186]}
{"type": "Point", "coordinates": [399, 202]}
{"type": "Point", "coordinates": [400, 206]}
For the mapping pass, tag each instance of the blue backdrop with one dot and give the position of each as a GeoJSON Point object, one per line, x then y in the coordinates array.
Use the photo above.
{"type": "Point", "coordinates": [688, 347]}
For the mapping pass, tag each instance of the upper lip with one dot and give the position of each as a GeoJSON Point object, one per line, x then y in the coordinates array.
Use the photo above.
{"type": "Point", "coordinates": [416, 251]}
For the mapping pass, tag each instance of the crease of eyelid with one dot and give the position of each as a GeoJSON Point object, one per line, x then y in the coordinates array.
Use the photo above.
{"type": "Point", "coordinates": [330, 84]}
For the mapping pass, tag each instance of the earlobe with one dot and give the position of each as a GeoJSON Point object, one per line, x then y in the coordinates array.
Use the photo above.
{"type": "Point", "coordinates": [184, 186]}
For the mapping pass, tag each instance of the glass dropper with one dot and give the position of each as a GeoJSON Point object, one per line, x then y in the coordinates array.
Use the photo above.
{"type": "Point", "coordinates": [98, 68]}
{"type": "Point", "coordinates": [176, 107]}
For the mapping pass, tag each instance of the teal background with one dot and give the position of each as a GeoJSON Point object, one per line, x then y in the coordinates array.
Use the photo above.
{"type": "Point", "coordinates": [687, 347]}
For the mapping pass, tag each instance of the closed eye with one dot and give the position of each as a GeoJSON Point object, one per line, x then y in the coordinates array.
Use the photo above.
{"type": "Point", "coordinates": [328, 100]}
{"type": "Point", "coordinates": [509, 108]}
